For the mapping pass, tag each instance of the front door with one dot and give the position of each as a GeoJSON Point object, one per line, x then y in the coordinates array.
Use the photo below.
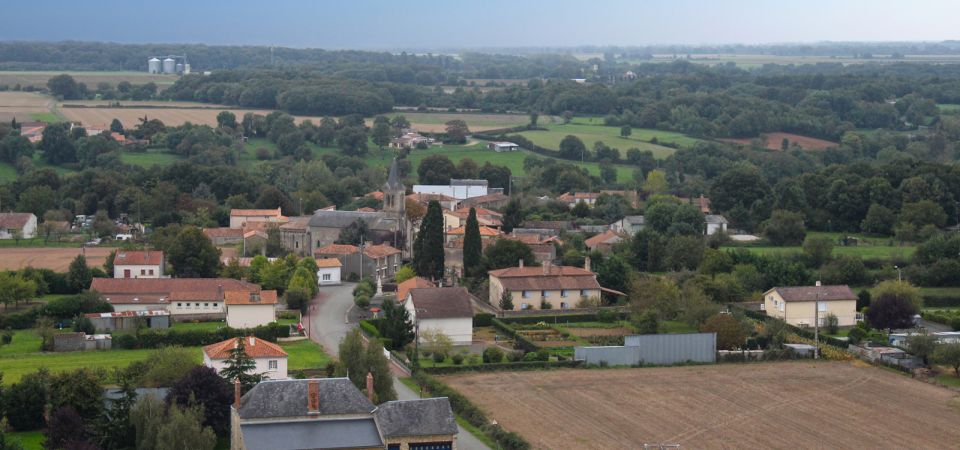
{"type": "Point", "coordinates": [126, 273]}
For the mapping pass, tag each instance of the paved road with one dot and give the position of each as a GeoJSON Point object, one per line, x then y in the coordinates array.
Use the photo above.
{"type": "Point", "coordinates": [327, 325]}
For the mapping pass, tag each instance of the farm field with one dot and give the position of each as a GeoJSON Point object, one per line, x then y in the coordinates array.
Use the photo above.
{"type": "Point", "coordinates": [770, 405]}
{"type": "Point", "coordinates": [169, 116]}
{"type": "Point", "coordinates": [91, 78]}
{"type": "Point", "coordinates": [54, 258]}
{"type": "Point", "coordinates": [609, 136]}
{"type": "Point", "coordinates": [775, 140]}
{"type": "Point", "coordinates": [863, 251]}
{"type": "Point", "coordinates": [435, 122]}
{"type": "Point", "coordinates": [148, 159]}
{"type": "Point", "coordinates": [24, 106]}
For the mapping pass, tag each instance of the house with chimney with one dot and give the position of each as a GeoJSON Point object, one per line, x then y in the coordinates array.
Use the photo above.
{"type": "Point", "coordinates": [270, 358]}
{"type": "Point", "coordinates": [533, 287]}
{"type": "Point", "coordinates": [13, 224]}
{"type": "Point", "coordinates": [139, 264]}
{"type": "Point", "coordinates": [250, 309]}
{"type": "Point", "coordinates": [183, 298]}
{"type": "Point", "coordinates": [331, 413]}
{"type": "Point", "coordinates": [447, 310]}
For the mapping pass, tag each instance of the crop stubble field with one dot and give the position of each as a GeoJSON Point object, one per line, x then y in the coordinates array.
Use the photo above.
{"type": "Point", "coordinates": [54, 258]}
{"type": "Point", "coordinates": [771, 405]}
{"type": "Point", "coordinates": [22, 106]}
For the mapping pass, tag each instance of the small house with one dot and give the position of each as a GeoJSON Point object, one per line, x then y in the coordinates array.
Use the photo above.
{"type": "Point", "coordinates": [715, 224]}
{"type": "Point", "coordinates": [270, 358]}
{"type": "Point", "coordinates": [629, 225]}
{"type": "Point", "coordinates": [603, 242]}
{"type": "Point", "coordinates": [328, 271]}
{"type": "Point", "coordinates": [798, 305]}
{"type": "Point", "coordinates": [138, 264]}
{"type": "Point", "coordinates": [448, 310]}
{"type": "Point", "coordinates": [22, 225]}
{"type": "Point", "coordinates": [240, 217]}
{"type": "Point", "coordinates": [246, 309]}
{"type": "Point", "coordinates": [502, 146]}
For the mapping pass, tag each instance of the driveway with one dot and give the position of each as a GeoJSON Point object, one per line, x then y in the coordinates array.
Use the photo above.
{"type": "Point", "coordinates": [327, 323]}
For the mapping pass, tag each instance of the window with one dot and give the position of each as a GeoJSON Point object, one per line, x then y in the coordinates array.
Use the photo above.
{"type": "Point", "coordinates": [583, 292]}
{"type": "Point", "coordinates": [543, 294]}
{"type": "Point", "coordinates": [151, 271]}
{"type": "Point", "coordinates": [563, 305]}
{"type": "Point", "coordinates": [214, 305]}
{"type": "Point", "coordinates": [179, 305]}
{"type": "Point", "coordinates": [296, 244]}
{"type": "Point", "coordinates": [272, 364]}
{"type": "Point", "coordinates": [822, 306]}
{"type": "Point", "coordinates": [326, 277]}
{"type": "Point", "coordinates": [143, 271]}
{"type": "Point", "coordinates": [198, 305]}
{"type": "Point", "coordinates": [206, 305]}
{"type": "Point", "coordinates": [525, 294]}
{"type": "Point", "coordinates": [563, 293]}
{"type": "Point", "coordinates": [524, 306]}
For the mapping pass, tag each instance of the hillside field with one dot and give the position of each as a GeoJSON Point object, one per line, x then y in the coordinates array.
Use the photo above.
{"type": "Point", "coordinates": [798, 404]}
{"type": "Point", "coordinates": [610, 136]}
{"type": "Point", "coordinates": [774, 141]}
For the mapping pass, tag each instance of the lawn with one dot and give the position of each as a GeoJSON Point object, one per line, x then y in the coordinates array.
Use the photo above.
{"type": "Point", "coordinates": [8, 174]}
{"type": "Point", "coordinates": [869, 248]}
{"type": "Point", "coordinates": [45, 117]}
{"type": "Point", "coordinates": [305, 354]}
{"type": "Point", "coordinates": [673, 326]}
{"type": "Point", "coordinates": [610, 136]}
{"type": "Point", "coordinates": [30, 440]}
{"type": "Point", "coordinates": [197, 326]}
{"type": "Point", "coordinates": [23, 356]}
{"type": "Point", "coordinates": [148, 159]}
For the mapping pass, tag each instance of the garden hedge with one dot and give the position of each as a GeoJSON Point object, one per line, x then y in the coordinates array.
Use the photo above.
{"type": "Point", "coordinates": [155, 338]}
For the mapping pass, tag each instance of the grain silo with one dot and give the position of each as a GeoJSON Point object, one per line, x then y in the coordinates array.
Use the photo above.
{"type": "Point", "coordinates": [169, 65]}
{"type": "Point", "coordinates": [186, 69]}
{"type": "Point", "coordinates": [179, 67]}
{"type": "Point", "coordinates": [153, 65]}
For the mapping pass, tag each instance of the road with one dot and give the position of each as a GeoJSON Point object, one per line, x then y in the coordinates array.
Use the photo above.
{"type": "Point", "coordinates": [327, 324]}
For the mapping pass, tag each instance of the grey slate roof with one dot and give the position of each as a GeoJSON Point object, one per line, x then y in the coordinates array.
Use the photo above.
{"type": "Point", "coordinates": [714, 218]}
{"type": "Point", "coordinates": [312, 434]}
{"type": "Point", "coordinates": [343, 219]}
{"type": "Point", "coordinates": [634, 220]}
{"type": "Point", "coordinates": [442, 303]}
{"type": "Point", "coordinates": [424, 417]}
{"type": "Point", "coordinates": [393, 179]}
{"type": "Point", "coordinates": [288, 398]}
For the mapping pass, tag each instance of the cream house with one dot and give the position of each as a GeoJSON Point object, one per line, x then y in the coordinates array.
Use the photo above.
{"type": "Point", "coordinates": [328, 271]}
{"type": "Point", "coordinates": [798, 305]}
{"type": "Point", "coordinates": [447, 310]}
{"type": "Point", "coordinates": [533, 287]}
{"type": "Point", "coordinates": [270, 358]}
{"type": "Point", "coordinates": [240, 217]}
{"type": "Point", "coordinates": [138, 264]}
{"type": "Point", "coordinates": [247, 309]}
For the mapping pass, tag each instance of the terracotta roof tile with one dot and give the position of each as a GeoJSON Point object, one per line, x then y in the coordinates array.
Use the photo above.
{"type": "Point", "coordinates": [253, 346]}
{"type": "Point", "coordinates": [379, 251]}
{"type": "Point", "coordinates": [328, 262]}
{"type": "Point", "coordinates": [809, 293]}
{"type": "Point", "coordinates": [414, 283]}
{"type": "Point", "coordinates": [541, 278]}
{"type": "Point", "coordinates": [336, 249]}
{"type": "Point", "coordinates": [484, 231]}
{"type": "Point", "coordinates": [255, 212]}
{"type": "Point", "coordinates": [138, 258]}
{"type": "Point", "coordinates": [244, 298]}
{"type": "Point", "coordinates": [607, 237]}
{"type": "Point", "coordinates": [223, 232]}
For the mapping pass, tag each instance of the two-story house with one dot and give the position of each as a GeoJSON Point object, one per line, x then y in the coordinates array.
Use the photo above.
{"type": "Point", "coordinates": [139, 264]}
{"type": "Point", "coordinates": [381, 260]}
{"type": "Point", "coordinates": [798, 305]}
{"type": "Point", "coordinates": [533, 287]}
{"type": "Point", "coordinates": [270, 358]}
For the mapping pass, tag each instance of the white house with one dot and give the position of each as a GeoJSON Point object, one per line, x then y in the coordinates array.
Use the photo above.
{"type": "Point", "coordinates": [247, 309]}
{"type": "Point", "coordinates": [629, 225]}
{"type": "Point", "coordinates": [138, 264]}
{"type": "Point", "coordinates": [715, 223]}
{"type": "Point", "coordinates": [270, 358]}
{"type": "Point", "coordinates": [328, 271]}
{"type": "Point", "coordinates": [448, 310]}
{"type": "Point", "coordinates": [13, 223]}
{"type": "Point", "coordinates": [502, 146]}
{"type": "Point", "coordinates": [458, 189]}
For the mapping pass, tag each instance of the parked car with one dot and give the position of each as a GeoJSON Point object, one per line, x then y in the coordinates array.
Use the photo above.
{"type": "Point", "coordinates": [93, 242]}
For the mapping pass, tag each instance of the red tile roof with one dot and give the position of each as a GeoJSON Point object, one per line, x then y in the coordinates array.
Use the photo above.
{"type": "Point", "coordinates": [336, 249]}
{"type": "Point", "coordinates": [14, 220]}
{"type": "Point", "coordinates": [255, 212]}
{"type": "Point", "coordinates": [375, 194]}
{"type": "Point", "coordinates": [578, 196]}
{"type": "Point", "coordinates": [379, 251]}
{"type": "Point", "coordinates": [254, 347]}
{"type": "Point", "coordinates": [548, 278]}
{"type": "Point", "coordinates": [244, 298]}
{"type": "Point", "coordinates": [328, 262]}
{"type": "Point", "coordinates": [138, 258]}
{"type": "Point", "coordinates": [414, 283]}
{"type": "Point", "coordinates": [153, 290]}
{"type": "Point", "coordinates": [484, 231]}
{"type": "Point", "coordinates": [607, 237]}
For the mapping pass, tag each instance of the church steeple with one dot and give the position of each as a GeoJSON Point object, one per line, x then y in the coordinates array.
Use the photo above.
{"type": "Point", "coordinates": [393, 180]}
{"type": "Point", "coordinates": [394, 191]}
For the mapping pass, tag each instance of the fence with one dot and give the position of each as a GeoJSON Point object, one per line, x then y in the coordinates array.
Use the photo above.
{"type": "Point", "coordinates": [659, 349]}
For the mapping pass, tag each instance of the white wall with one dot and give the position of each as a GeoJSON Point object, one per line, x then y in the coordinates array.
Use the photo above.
{"type": "Point", "coordinates": [263, 366]}
{"type": "Point", "coordinates": [334, 273]}
{"type": "Point", "coordinates": [459, 330]}
{"type": "Point", "coordinates": [29, 230]}
{"type": "Point", "coordinates": [139, 307]}
{"type": "Point", "coordinates": [196, 307]}
{"type": "Point", "coordinates": [715, 227]}
{"type": "Point", "coordinates": [136, 269]}
{"type": "Point", "coordinates": [249, 316]}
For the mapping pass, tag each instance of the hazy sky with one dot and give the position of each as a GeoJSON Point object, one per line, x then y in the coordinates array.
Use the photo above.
{"type": "Point", "coordinates": [485, 23]}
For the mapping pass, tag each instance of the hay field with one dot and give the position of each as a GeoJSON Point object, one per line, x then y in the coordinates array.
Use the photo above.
{"type": "Point", "coordinates": [54, 258]}
{"type": "Point", "coordinates": [39, 78]}
{"type": "Point", "coordinates": [23, 106]}
{"type": "Point", "coordinates": [435, 122]}
{"type": "Point", "coordinates": [130, 117]}
{"type": "Point", "coordinates": [769, 405]}
{"type": "Point", "coordinates": [774, 141]}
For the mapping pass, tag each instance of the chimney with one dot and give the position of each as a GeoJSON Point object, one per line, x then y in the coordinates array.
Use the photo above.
{"type": "Point", "coordinates": [586, 263]}
{"type": "Point", "coordinates": [521, 263]}
{"type": "Point", "coordinates": [313, 397]}
{"type": "Point", "coordinates": [370, 386]}
{"type": "Point", "coordinates": [252, 340]}
{"type": "Point", "coordinates": [219, 292]}
{"type": "Point", "coordinates": [236, 393]}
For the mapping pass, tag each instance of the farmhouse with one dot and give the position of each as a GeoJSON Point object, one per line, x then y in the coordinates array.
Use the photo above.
{"type": "Point", "coordinates": [270, 358]}
{"type": "Point", "coordinates": [411, 140]}
{"type": "Point", "coordinates": [328, 271]}
{"type": "Point", "coordinates": [23, 225]}
{"type": "Point", "coordinates": [239, 217]}
{"type": "Point", "coordinates": [332, 413]}
{"type": "Point", "coordinates": [375, 260]}
{"type": "Point", "coordinates": [502, 146]}
{"type": "Point", "coordinates": [715, 224]}
{"type": "Point", "coordinates": [448, 310]}
{"type": "Point", "coordinates": [603, 242]}
{"type": "Point", "coordinates": [533, 287]}
{"type": "Point", "coordinates": [797, 305]}
{"type": "Point", "coordinates": [250, 309]}
{"type": "Point", "coordinates": [184, 298]}
{"type": "Point", "coordinates": [629, 225]}
{"type": "Point", "coordinates": [138, 264]}
{"type": "Point", "coordinates": [458, 189]}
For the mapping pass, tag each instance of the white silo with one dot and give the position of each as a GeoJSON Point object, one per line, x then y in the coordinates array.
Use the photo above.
{"type": "Point", "coordinates": [186, 69]}
{"type": "Point", "coordinates": [153, 65]}
{"type": "Point", "coordinates": [179, 68]}
{"type": "Point", "coordinates": [169, 65]}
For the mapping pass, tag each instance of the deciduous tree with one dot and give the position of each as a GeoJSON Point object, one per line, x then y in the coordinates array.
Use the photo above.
{"type": "Point", "coordinates": [193, 255]}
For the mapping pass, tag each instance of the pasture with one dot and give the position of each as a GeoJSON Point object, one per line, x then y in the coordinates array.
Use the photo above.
{"type": "Point", "coordinates": [774, 141]}
{"type": "Point", "coordinates": [38, 79]}
{"type": "Point", "coordinates": [887, 252]}
{"type": "Point", "coordinates": [430, 122]}
{"type": "Point", "coordinates": [766, 405]}
{"type": "Point", "coordinates": [610, 136]}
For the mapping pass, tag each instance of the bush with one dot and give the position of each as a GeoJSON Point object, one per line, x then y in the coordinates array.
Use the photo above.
{"type": "Point", "coordinates": [856, 335]}
{"type": "Point", "coordinates": [264, 154]}
{"type": "Point", "coordinates": [7, 337]}
{"type": "Point", "coordinates": [492, 355]}
{"type": "Point", "coordinates": [483, 320]}
{"type": "Point", "coordinates": [438, 357]}
{"type": "Point", "coordinates": [371, 327]}
{"type": "Point", "coordinates": [362, 301]}
{"type": "Point", "coordinates": [515, 356]}
{"type": "Point", "coordinates": [457, 359]}
{"type": "Point", "coordinates": [606, 316]}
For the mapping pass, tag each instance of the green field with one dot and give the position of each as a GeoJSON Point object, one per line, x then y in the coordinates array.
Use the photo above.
{"type": "Point", "coordinates": [610, 136]}
{"type": "Point", "coordinates": [472, 119]}
{"type": "Point", "coordinates": [30, 440]}
{"type": "Point", "coordinates": [305, 354]}
{"type": "Point", "coordinates": [45, 117]}
{"type": "Point", "coordinates": [869, 248]}
{"type": "Point", "coordinates": [952, 108]}
{"type": "Point", "coordinates": [148, 159]}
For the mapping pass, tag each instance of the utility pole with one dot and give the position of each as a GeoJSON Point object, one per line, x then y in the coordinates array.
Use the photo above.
{"type": "Point", "coordinates": [816, 325]}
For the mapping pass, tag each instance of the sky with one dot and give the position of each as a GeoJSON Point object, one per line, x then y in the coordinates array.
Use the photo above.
{"type": "Point", "coordinates": [438, 24]}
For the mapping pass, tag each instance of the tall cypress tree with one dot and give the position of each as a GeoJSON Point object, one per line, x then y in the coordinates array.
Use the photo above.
{"type": "Point", "coordinates": [472, 247]}
{"type": "Point", "coordinates": [241, 366]}
{"type": "Point", "coordinates": [428, 247]}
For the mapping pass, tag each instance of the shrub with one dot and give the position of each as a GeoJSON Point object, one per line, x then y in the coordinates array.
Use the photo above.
{"type": "Point", "coordinates": [263, 154]}
{"type": "Point", "coordinates": [7, 337]}
{"type": "Point", "coordinates": [362, 301]}
{"type": "Point", "coordinates": [856, 335]}
{"type": "Point", "coordinates": [483, 320]}
{"type": "Point", "coordinates": [492, 355]}
{"type": "Point", "coordinates": [515, 356]}
{"type": "Point", "coordinates": [457, 359]}
{"type": "Point", "coordinates": [606, 316]}
{"type": "Point", "coordinates": [438, 357]}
